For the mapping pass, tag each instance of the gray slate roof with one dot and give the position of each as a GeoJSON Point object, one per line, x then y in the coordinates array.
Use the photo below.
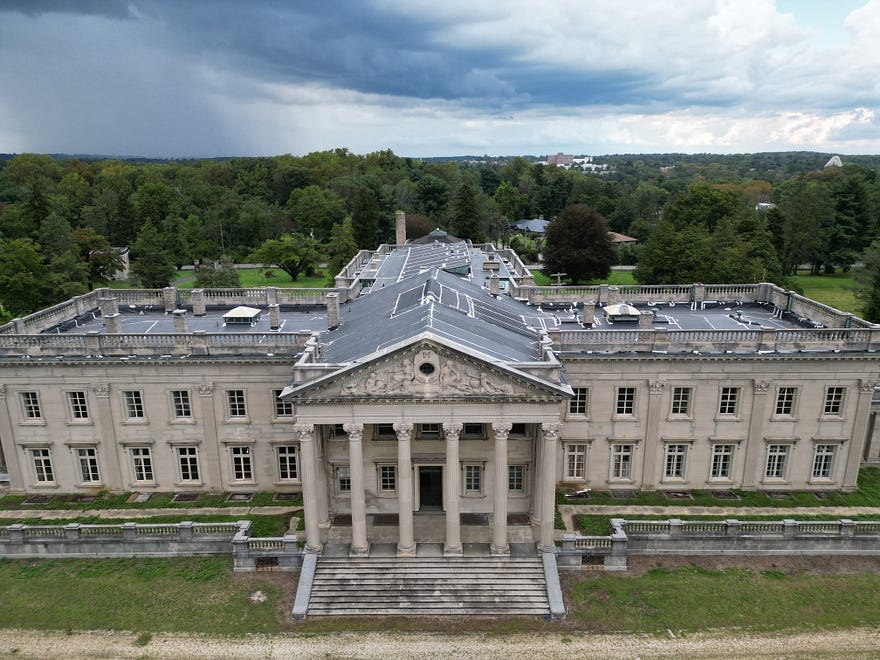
{"type": "Point", "coordinates": [443, 304]}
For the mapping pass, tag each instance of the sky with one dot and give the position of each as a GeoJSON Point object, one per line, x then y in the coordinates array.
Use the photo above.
{"type": "Point", "coordinates": [200, 78]}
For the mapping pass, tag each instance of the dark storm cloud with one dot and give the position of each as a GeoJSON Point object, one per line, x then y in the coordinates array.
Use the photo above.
{"type": "Point", "coordinates": [108, 8]}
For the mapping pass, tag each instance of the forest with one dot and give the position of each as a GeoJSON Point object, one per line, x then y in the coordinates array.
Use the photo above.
{"type": "Point", "coordinates": [705, 217]}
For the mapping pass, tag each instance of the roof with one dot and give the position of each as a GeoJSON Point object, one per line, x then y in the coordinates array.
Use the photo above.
{"type": "Point", "coordinates": [621, 310]}
{"type": "Point", "coordinates": [436, 236]}
{"type": "Point", "coordinates": [242, 312]}
{"type": "Point", "coordinates": [535, 225]}
{"type": "Point", "coordinates": [446, 306]}
{"type": "Point", "coordinates": [621, 238]}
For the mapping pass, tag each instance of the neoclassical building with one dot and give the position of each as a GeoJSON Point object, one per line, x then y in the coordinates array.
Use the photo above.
{"type": "Point", "coordinates": [436, 380]}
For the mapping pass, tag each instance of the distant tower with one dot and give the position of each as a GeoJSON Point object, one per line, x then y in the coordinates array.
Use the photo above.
{"type": "Point", "coordinates": [400, 227]}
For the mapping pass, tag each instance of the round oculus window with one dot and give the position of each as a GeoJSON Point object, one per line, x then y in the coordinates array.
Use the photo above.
{"type": "Point", "coordinates": [426, 368]}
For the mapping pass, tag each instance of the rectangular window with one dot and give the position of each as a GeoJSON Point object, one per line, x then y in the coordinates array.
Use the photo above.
{"type": "Point", "coordinates": [180, 404]}
{"type": "Point", "coordinates": [235, 405]}
{"type": "Point", "coordinates": [30, 404]}
{"type": "Point", "coordinates": [473, 479]}
{"type": "Point", "coordinates": [722, 462]}
{"type": "Point", "coordinates": [834, 401]}
{"type": "Point", "coordinates": [343, 479]}
{"type": "Point", "coordinates": [42, 459]}
{"type": "Point", "coordinates": [134, 404]}
{"type": "Point", "coordinates": [242, 467]}
{"type": "Point", "coordinates": [675, 460]}
{"type": "Point", "coordinates": [287, 462]}
{"type": "Point", "coordinates": [385, 432]}
{"type": "Point", "coordinates": [79, 409]}
{"type": "Point", "coordinates": [518, 429]}
{"type": "Point", "coordinates": [576, 462]}
{"type": "Point", "coordinates": [142, 463]}
{"type": "Point", "coordinates": [473, 431]}
{"type": "Point", "coordinates": [387, 478]}
{"type": "Point", "coordinates": [282, 408]}
{"type": "Point", "coordinates": [429, 431]}
{"type": "Point", "coordinates": [681, 401]}
{"type": "Point", "coordinates": [188, 460]}
{"type": "Point", "coordinates": [777, 457]}
{"type": "Point", "coordinates": [626, 401]}
{"type": "Point", "coordinates": [729, 402]}
{"type": "Point", "coordinates": [785, 399]}
{"type": "Point", "coordinates": [580, 403]}
{"type": "Point", "coordinates": [88, 464]}
{"type": "Point", "coordinates": [621, 461]}
{"type": "Point", "coordinates": [823, 460]}
{"type": "Point", "coordinates": [516, 478]}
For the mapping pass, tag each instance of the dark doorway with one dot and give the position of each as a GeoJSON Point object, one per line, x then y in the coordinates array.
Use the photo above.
{"type": "Point", "coordinates": [430, 487]}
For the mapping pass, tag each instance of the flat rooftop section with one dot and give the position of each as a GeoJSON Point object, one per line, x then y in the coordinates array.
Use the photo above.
{"type": "Point", "coordinates": [144, 320]}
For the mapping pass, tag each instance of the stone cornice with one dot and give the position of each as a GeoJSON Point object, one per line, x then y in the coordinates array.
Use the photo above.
{"type": "Point", "coordinates": [567, 358]}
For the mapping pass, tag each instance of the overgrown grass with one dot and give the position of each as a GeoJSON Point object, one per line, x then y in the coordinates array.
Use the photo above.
{"type": "Point", "coordinates": [157, 501]}
{"type": "Point", "coordinates": [835, 290]}
{"type": "Point", "coordinates": [261, 526]}
{"type": "Point", "coordinates": [868, 494]}
{"type": "Point", "coordinates": [692, 599]}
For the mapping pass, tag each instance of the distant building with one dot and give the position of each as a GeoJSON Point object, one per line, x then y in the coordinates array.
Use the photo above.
{"type": "Point", "coordinates": [565, 160]}
{"type": "Point", "coordinates": [834, 161]}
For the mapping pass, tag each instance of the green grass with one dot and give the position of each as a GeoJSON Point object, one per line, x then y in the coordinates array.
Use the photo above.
{"type": "Point", "coordinates": [616, 278]}
{"type": "Point", "coordinates": [691, 599]}
{"type": "Point", "coordinates": [835, 290]}
{"type": "Point", "coordinates": [157, 501]}
{"type": "Point", "coordinates": [261, 526]}
{"type": "Point", "coordinates": [255, 277]}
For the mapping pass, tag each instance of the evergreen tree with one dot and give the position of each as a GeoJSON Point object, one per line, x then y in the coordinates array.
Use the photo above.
{"type": "Point", "coordinates": [150, 264]}
{"type": "Point", "coordinates": [365, 219]}
{"type": "Point", "coordinates": [467, 219]}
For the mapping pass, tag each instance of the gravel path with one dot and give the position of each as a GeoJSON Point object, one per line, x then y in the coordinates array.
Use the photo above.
{"type": "Point", "coordinates": [853, 643]}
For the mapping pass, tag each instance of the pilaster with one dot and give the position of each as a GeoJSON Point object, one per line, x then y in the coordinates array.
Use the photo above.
{"type": "Point", "coordinates": [755, 443]}
{"type": "Point", "coordinates": [859, 435]}
{"type": "Point", "coordinates": [652, 440]}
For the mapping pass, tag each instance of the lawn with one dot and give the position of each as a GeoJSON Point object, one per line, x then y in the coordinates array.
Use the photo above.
{"type": "Point", "coordinates": [261, 526]}
{"type": "Point", "coordinates": [834, 290]}
{"type": "Point", "coordinates": [617, 278]}
{"type": "Point", "coordinates": [157, 501]}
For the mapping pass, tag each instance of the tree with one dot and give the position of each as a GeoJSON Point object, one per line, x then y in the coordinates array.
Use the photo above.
{"type": "Point", "coordinates": [292, 253]}
{"type": "Point", "coordinates": [315, 211]}
{"type": "Point", "coordinates": [365, 218]}
{"type": "Point", "coordinates": [525, 247]}
{"type": "Point", "coordinates": [342, 246]}
{"type": "Point", "coordinates": [867, 279]}
{"type": "Point", "coordinates": [577, 243]}
{"type": "Point", "coordinates": [22, 273]}
{"type": "Point", "coordinates": [468, 218]}
{"type": "Point", "coordinates": [150, 264]}
{"type": "Point", "coordinates": [95, 250]}
{"type": "Point", "coordinates": [511, 202]}
{"type": "Point", "coordinates": [218, 275]}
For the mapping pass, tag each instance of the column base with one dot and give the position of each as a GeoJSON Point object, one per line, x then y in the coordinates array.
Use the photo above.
{"type": "Point", "coordinates": [359, 552]}
{"type": "Point", "coordinates": [548, 548]}
{"type": "Point", "coordinates": [450, 551]}
{"type": "Point", "coordinates": [499, 551]}
{"type": "Point", "coordinates": [312, 550]}
{"type": "Point", "coordinates": [406, 552]}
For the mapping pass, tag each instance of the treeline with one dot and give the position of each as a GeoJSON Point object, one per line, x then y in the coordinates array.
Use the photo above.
{"type": "Point", "coordinates": [61, 217]}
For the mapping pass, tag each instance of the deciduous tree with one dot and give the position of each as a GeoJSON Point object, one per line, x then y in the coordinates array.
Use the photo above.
{"type": "Point", "coordinates": [577, 243]}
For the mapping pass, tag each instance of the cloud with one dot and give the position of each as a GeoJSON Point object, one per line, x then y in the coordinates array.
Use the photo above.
{"type": "Point", "coordinates": [108, 8]}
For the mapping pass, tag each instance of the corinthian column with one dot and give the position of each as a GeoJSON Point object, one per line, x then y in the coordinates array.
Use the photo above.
{"type": "Point", "coordinates": [359, 545]}
{"type": "Point", "coordinates": [499, 516]}
{"type": "Point", "coordinates": [451, 489]}
{"type": "Point", "coordinates": [548, 485]}
{"type": "Point", "coordinates": [306, 434]}
{"type": "Point", "coordinates": [406, 546]}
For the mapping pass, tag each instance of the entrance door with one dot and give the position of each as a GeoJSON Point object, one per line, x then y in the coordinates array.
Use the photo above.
{"type": "Point", "coordinates": [430, 487]}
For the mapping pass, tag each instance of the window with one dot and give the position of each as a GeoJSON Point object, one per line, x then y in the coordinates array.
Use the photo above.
{"type": "Point", "coordinates": [42, 459]}
{"type": "Point", "coordinates": [834, 401]}
{"type": "Point", "coordinates": [282, 408]}
{"type": "Point", "coordinates": [621, 461]}
{"type": "Point", "coordinates": [777, 457]}
{"type": "Point", "coordinates": [385, 432]}
{"type": "Point", "coordinates": [287, 462]}
{"type": "Point", "coordinates": [387, 479]}
{"type": "Point", "coordinates": [473, 479]}
{"type": "Point", "coordinates": [576, 462]}
{"type": "Point", "coordinates": [823, 460]}
{"type": "Point", "coordinates": [729, 402]}
{"type": "Point", "coordinates": [343, 479]}
{"type": "Point", "coordinates": [516, 478]}
{"type": "Point", "coordinates": [242, 468]}
{"type": "Point", "coordinates": [722, 461]}
{"type": "Point", "coordinates": [626, 401]}
{"type": "Point", "coordinates": [429, 431]}
{"type": "Point", "coordinates": [180, 405]}
{"type": "Point", "coordinates": [142, 463]}
{"type": "Point", "coordinates": [188, 460]}
{"type": "Point", "coordinates": [235, 405]}
{"type": "Point", "coordinates": [88, 464]}
{"type": "Point", "coordinates": [79, 409]}
{"type": "Point", "coordinates": [473, 431]}
{"type": "Point", "coordinates": [336, 432]}
{"type": "Point", "coordinates": [785, 398]}
{"type": "Point", "coordinates": [580, 404]}
{"type": "Point", "coordinates": [134, 404]}
{"type": "Point", "coordinates": [30, 404]}
{"type": "Point", "coordinates": [518, 429]}
{"type": "Point", "coordinates": [681, 401]}
{"type": "Point", "coordinates": [675, 460]}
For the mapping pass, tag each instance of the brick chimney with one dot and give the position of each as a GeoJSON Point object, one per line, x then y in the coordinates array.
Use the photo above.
{"type": "Point", "coordinates": [400, 227]}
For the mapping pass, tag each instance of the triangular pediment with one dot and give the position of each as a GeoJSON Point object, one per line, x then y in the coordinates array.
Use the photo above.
{"type": "Point", "coordinates": [428, 370]}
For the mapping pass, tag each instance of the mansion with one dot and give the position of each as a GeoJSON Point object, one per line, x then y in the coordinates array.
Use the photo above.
{"type": "Point", "coordinates": [436, 378]}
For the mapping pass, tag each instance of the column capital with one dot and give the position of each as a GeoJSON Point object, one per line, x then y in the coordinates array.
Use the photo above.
{"type": "Point", "coordinates": [551, 431]}
{"type": "Point", "coordinates": [656, 386]}
{"type": "Point", "coordinates": [867, 386]}
{"type": "Point", "coordinates": [305, 432]}
{"type": "Point", "coordinates": [761, 386]}
{"type": "Point", "coordinates": [452, 430]}
{"type": "Point", "coordinates": [501, 429]}
{"type": "Point", "coordinates": [403, 431]}
{"type": "Point", "coordinates": [355, 432]}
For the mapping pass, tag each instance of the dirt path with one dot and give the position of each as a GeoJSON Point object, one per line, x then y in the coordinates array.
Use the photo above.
{"type": "Point", "coordinates": [858, 643]}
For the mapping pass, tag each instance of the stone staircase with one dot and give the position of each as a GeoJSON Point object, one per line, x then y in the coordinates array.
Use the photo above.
{"type": "Point", "coordinates": [433, 586]}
